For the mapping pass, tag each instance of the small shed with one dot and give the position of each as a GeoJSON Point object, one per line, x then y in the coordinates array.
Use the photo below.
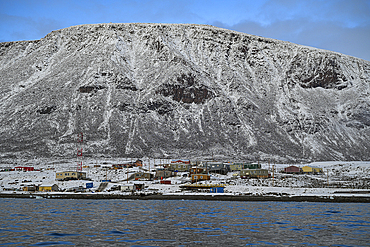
{"type": "Point", "coordinates": [127, 187]}
{"type": "Point", "coordinates": [139, 186]}
{"type": "Point", "coordinates": [165, 182]}
{"type": "Point", "coordinates": [48, 187]}
{"type": "Point", "coordinates": [30, 188]}
{"type": "Point", "coordinates": [217, 190]}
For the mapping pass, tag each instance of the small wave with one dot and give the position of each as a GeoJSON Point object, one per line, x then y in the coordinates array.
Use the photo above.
{"type": "Point", "coordinates": [50, 243]}
{"type": "Point", "coordinates": [61, 235]}
{"type": "Point", "coordinates": [333, 212]}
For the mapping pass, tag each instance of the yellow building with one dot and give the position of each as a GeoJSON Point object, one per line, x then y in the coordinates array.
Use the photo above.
{"type": "Point", "coordinates": [199, 177]}
{"type": "Point", "coordinates": [70, 175]}
{"type": "Point", "coordinates": [236, 166]}
{"type": "Point", "coordinates": [48, 187]}
{"type": "Point", "coordinates": [311, 169]}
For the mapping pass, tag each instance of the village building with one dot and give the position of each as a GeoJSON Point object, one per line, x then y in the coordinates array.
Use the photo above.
{"type": "Point", "coordinates": [216, 167]}
{"type": "Point", "coordinates": [252, 166]}
{"type": "Point", "coordinates": [128, 164]}
{"type": "Point", "coordinates": [163, 173]}
{"type": "Point", "coordinates": [143, 176]}
{"type": "Point", "coordinates": [70, 175]}
{"type": "Point", "coordinates": [311, 170]}
{"type": "Point", "coordinates": [236, 166]}
{"type": "Point", "coordinates": [199, 177]}
{"type": "Point", "coordinates": [77, 189]}
{"type": "Point", "coordinates": [5, 169]}
{"type": "Point", "coordinates": [127, 187]}
{"type": "Point", "coordinates": [212, 188]}
{"type": "Point", "coordinates": [31, 188]}
{"type": "Point", "coordinates": [48, 187]}
{"type": "Point", "coordinates": [292, 169]}
{"type": "Point", "coordinates": [217, 189]}
{"type": "Point", "coordinates": [254, 173]}
{"type": "Point", "coordinates": [24, 168]}
{"type": "Point", "coordinates": [180, 161]}
{"type": "Point", "coordinates": [179, 167]}
{"type": "Point", "coordinates": [131, 187]}
{"type": "Point", "coordinates": [197, 170]}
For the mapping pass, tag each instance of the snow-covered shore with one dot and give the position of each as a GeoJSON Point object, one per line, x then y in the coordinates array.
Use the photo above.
{"type": "Point", "coordinates": [340, 182]}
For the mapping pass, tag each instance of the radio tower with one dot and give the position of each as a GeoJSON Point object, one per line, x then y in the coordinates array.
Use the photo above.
{"type": "Point", "coordinates": [80, 139]}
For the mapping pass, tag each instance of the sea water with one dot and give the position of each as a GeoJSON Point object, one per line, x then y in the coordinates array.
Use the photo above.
{"type": "Point", "coordinates": [51, 222]}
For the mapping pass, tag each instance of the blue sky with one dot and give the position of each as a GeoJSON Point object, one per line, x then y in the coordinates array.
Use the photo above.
{"type": "Point", "coordinates": [337, 25]}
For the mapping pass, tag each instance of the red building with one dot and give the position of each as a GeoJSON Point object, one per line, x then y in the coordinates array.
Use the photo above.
{"type": "Point", "coordinates": [292, 169]}
{"type": "Point", "coordinates": [24, 168]}
{"type": "Point", "coordinates": [181, 161]}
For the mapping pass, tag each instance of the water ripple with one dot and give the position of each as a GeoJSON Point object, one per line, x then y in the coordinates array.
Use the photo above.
{"type": "Point", "coordinates": [51, 243]}
{"type": "Point", "coordinates": [181, 223]}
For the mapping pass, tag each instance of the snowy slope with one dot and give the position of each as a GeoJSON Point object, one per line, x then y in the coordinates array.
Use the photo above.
{"type": "Point", "coordinates": [181, 91]}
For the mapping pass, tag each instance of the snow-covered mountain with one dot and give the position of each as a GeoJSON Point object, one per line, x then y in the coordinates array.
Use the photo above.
{"type": "Point", "coordinates": [171, 90]}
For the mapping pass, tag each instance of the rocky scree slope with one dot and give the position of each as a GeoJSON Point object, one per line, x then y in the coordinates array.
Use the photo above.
{"type": "Point", "coordinates": [181, 91]}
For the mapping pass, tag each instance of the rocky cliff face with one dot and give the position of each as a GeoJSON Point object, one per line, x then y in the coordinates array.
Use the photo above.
{"type": "Point", "coordinates": [181, 91]}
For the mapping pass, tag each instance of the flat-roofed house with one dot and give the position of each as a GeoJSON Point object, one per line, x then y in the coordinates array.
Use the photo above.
{"type": "Point", "coordinates": [66, 175]}
{"type": "Point", "coordinates": [143, 176]}
{"type": "Point", "coordinates": [236, 166]}
{"type": "Point", "coordinates": [254, 173]}
{"type": "Point", "coordinates": [163, 173]}
{"type": "Point", "coordinates": [24, 168]}
{"type": "Point", "coordinates": [180, 167]}
{"type": "Point", "coordinates": [199, 177]}
{"type": "Point", "coordinates": [311, 169]}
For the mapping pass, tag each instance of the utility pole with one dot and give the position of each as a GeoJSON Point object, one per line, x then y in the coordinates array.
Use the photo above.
{"type": "Point", "coordinates": [79, 151]}
{"type": "Point", "coordinates": [273, 175]}
{"type": "Point", "coordinates": [127, 172]}
{"type": "Point", "coordinates": [327, 177]}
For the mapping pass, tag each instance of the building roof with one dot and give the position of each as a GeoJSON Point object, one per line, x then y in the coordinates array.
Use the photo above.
{"type": "Point", "coordinates": [47, 185]}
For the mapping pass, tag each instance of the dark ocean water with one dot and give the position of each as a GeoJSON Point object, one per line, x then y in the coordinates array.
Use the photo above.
{"type": "Point", "coordinates": [49, 222]}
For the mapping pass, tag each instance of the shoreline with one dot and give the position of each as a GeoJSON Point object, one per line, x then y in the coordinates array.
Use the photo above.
{"type": "Point", "coordinates": [211, 197]}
